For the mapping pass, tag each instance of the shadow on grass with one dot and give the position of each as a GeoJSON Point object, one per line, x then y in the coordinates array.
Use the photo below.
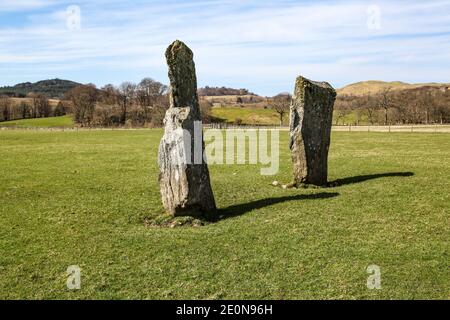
{"type": "Point", "coordinates": [358, 179]}
{"type": "Point", "coordinates": [240, 209]}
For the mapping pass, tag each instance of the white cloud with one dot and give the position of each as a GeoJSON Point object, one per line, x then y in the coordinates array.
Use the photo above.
{"type": "Point", "coordinates": [262, 44]}
{"type": "Point", "coordinates": [19, 5]}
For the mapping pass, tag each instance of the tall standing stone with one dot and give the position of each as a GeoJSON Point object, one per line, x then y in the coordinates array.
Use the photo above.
{"type": "Point", "coordinates": [311, 116]}
{"type": "Point", "coordinates": [184, 176]}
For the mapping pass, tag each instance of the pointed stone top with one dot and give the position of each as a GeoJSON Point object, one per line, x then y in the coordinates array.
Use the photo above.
{"type": "Point", "coordinates": [183, 81]}
{"type": "Point", "coordinates": [306, 82]}
{"type": "Point", "coordinates": [178, 48]}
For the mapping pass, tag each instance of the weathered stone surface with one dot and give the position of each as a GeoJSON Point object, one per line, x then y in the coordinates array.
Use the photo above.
{"type": "Point", "coordinates": [311, 115]}
{"type": "Point", "coordinates": [184, 176]}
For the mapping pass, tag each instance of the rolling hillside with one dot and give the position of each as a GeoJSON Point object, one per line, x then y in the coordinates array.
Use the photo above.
{"type": "Point", "coordinates": [55, 88]}
{"type": "Point", "coordinates": [53, 122]}
{"type": "Point", "coordinates": [374, 87]}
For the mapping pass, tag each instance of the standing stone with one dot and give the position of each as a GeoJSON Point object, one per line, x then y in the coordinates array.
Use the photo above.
{"type": "Point", "coordinates": [184, 176]}
{"type": "Point", "coordinates": [311, 116]}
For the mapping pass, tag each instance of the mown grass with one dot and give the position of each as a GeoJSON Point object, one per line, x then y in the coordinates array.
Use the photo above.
{"type": "Point", "coordinates": [81, 198]}
{"type": "Point", "coordinates": [250, 116]}
{"type": "Point", "coordinates": [52, 122]}
{"type": "Point", "coordinates": [229, 114]}
{"type": "Point", "coordinates": [260, 116]}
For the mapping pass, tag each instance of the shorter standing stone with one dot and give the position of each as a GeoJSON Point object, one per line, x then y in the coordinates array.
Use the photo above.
{"type": "Point", "coordinates": [311, 115]}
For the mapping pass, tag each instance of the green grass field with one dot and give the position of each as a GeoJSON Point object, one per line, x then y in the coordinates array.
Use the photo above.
{"type": "Point", "coordinates": [80, 198]}
{"type": "Point", "coordinates": [261, 116]}
{"type": "Point", "coordinates": [53, 122]}
{"type": "Point", "coordinates": [250, 116]}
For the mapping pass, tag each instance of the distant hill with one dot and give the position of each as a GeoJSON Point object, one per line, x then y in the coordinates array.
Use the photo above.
{"type": "Point", "coordinates": [55, 88]}
{"type": "Point", "coordinates": [374, 87]}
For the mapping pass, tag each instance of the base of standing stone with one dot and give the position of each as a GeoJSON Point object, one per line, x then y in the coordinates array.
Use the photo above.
{"type": "Point", "coordinates": [185, 186]}
{"type": "Point", "coordinates": [311, 115]}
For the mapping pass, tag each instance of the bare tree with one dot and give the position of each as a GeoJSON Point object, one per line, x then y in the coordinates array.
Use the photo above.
{"type": "Point", "coordinates": [343, 107]}
{"type": "Point", "coordinates": [281, 104]}
{"type": "Point", "coordinates": [43, 107]}
{"type": "Point", "coordinates": [24, 110]}
{"type": "Point", "coordinates": [442, 106]}
{"type": "Point", "coordinates": [147, 91]}
{"type": "Point", "coordinates": [418, 105]}
{"type": "Point", "coordinates": [385, 103]}
{"type": "Point", "coordinates": [148, 94]}
{"type": "Point", "coordinates": [83, 99]}
{"type": "Point", "coordinates": [427, 101]}
{"type": "Point", "coordinates": [358, 107]}
{"type": "Point", "coordinates": [400, 106]}
{"type": "Point", "coordinates": [127, 92]}
{"type": "Point", "coordinates": [34, 104]}
{"type": "Point", "coordinates": [5, 108]}
{"type": "Point", "coordinates": [131, 104]}
{"type": "Point", "coordinates": [109, 95]}
{"type": "Point", "coordinates": [60, 109]}
{"type": "Point", "coordinates": [371, 108]}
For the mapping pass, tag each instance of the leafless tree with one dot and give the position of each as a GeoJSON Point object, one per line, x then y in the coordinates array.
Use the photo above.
{"type": "Point", "coordinates": [42, 106]}
{"type": "Point", "coordinates": [148, 90]}
{"type": "Point", "coordinates": [385, 103]}
{"type": "Point", "coordinates": [127, 93]}
{"type": "Point", "coordinates": [280, 104]}
{"type": "Point", "coordinates": [342, 107]}
{"type": "Point", "coordinates": [24, 110]}
{"type": "Point", "coordinates": [109, 95]}
{"type": "Point", "coordinates": [34, 104]}
{"type": "Point", "coordinates": [60, 109]}
{"type": "Point", "coordinates": [5, 108]}
{"type": "Point", "coordinates": [148, 93]}
{"type": "Point", "coordinates": [371, 108]}
{"type": "Point", "coordinates": [83, 99]}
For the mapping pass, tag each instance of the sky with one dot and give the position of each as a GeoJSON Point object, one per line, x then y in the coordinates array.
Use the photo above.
{"type": "Point", "coordinates": [259, 45]}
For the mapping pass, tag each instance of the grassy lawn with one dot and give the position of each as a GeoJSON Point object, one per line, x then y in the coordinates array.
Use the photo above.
{"type": "Point", "coordinates": [261, 116]}
{"type": "Point", "coordinates": [60, 122]}
{"type": "Point", "coordinates": [250, 116]}
{"type": "Point", "coordinates": [80, 198]}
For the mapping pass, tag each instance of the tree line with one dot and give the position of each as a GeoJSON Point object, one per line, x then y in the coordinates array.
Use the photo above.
{"type": "Point", "coordinates": [144, 105]}
{"type": "Point", "coordinates": [128, 105]}
{"type": "Point", "coordinates": [425, 105]}
{"type": "Point", "coordinates": [35, 106]}
{"type": "Point", "coordinates": [223, 91]}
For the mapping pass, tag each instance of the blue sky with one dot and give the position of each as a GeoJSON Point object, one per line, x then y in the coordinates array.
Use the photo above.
{"type": "Point", "coordinates": [256, 44]}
